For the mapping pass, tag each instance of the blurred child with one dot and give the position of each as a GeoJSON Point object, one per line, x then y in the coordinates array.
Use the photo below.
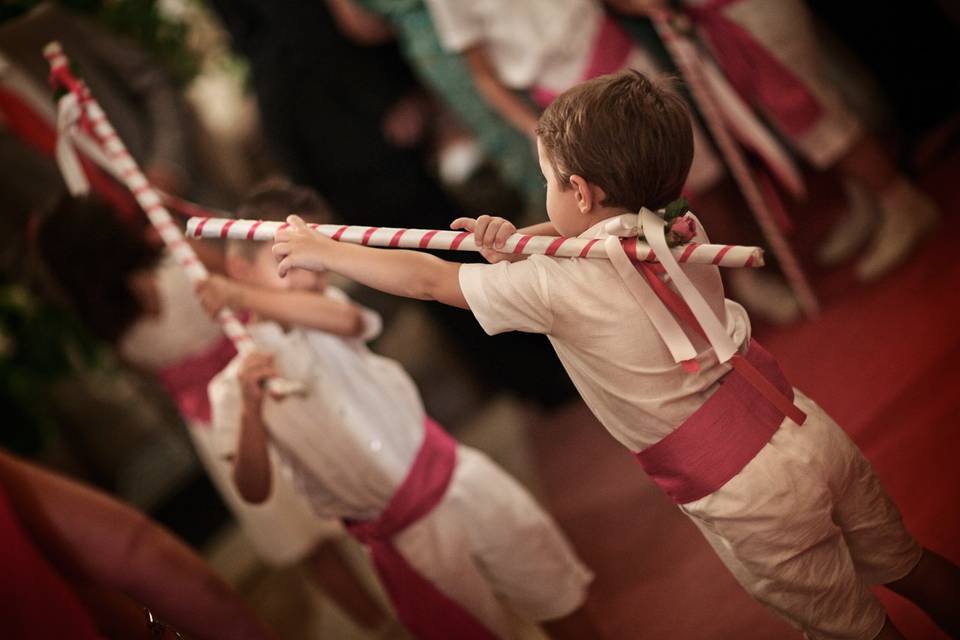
{"type": "Point", "coordinates": [668, 367]}
{"type": "Point", "coordinates": [452, 536]}
{"type": "Point", "coordinates": [134, 296]}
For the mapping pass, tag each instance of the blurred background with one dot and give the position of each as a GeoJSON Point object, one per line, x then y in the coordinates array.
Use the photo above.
{"type": "Point", "coordinates": [380, 107]}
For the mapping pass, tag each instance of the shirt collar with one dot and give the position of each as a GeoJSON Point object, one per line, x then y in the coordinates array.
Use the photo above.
{"type": "Point", "coordinates": [599, 230]}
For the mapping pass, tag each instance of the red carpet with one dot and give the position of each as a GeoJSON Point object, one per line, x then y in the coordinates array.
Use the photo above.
{"type": "Point", "coordinates": [882, 359]}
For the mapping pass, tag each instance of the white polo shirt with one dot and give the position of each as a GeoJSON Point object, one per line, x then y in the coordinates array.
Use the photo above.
{"type": "Point", "coordinates": [605, 341]}
{"type": "Point", "coordinates": [542, 42]}
{"type": "Point", "coordinates": [350, 440]}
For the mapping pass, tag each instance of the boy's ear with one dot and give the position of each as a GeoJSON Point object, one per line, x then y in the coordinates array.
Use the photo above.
{"type": "Point", "coordinates": [589, 196]}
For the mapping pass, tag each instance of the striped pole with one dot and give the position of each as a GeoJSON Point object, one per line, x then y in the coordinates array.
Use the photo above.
{"type": "Point", "coordinates": [717, 254]}
{"type": "Point", "coordinates": [124, 166]}
{"type": "Point", "coordinates": [686, 58]}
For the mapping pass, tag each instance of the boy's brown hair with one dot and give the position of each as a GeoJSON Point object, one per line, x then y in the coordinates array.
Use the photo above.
{"type": "Point", "coordinates": [274, 200]}
{"type": "Point", "coordinates": [624, 133]}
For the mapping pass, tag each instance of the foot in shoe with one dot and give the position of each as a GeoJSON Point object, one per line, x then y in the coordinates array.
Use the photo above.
{"type": "Point", "coordinates": [765, 295]}
{"type": "Point", "coordinates": [906, 215]}
{"type": "Point", "coordinates": [854, 227]}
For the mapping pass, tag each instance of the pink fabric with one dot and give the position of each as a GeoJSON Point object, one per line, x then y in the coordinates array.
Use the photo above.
{"type": "Point", "coordinates": [721, 437]}
{"type": "Point", "coordinates": [611, 48]}
{"type": "Point", "coordinates": [187, 380]}
{"type": "Point", "coordinates": [420, 606]}
{"type": "Point", "coordinates": [729, 429]}
{"type": "Point", "coordinates": [759, 77]}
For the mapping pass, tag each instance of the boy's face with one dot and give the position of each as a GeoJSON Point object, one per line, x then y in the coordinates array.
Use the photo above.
{"type": "Point", "coordinates": [562, 205]}
{"type": "Point", "coordinates": [261, 271]}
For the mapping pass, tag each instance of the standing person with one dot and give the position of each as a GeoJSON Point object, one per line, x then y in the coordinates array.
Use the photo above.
{"type": "Point", "coordinates": [454, 538]}
{"type": "Point", "coordinates": [768, 50]}
{"type": "Point", "coordinates": [136, 298]}
{"type": "Point", "coordinates": [668, 366]}
{"type": "Point", "coordinates": [323, 100]}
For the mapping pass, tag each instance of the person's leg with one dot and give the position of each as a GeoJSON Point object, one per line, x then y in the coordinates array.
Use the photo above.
{"type": "Point", "coordinates": [578, 625]}
{"type": "Point", "coordinates": [340, 583]}
{"type": "Point", "coordinates": [906, 213]}
{"type": "Point", "coordinates": [934, 586]}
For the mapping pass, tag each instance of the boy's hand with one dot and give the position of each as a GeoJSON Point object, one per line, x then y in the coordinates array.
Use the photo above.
{"type": "Point", "coordinates": [299, 246]}
{"type": "Point", "coordinates": [217, 292]}
{"type": "Point", "coordinates": [490, 233]}
{"type": "Point", "coordinates": [255, 369]}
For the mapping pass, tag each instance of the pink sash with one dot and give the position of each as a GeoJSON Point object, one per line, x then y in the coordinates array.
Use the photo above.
{"type": "Point", "coordinates": [758, 76]}
{"type": "Point", "coordinates": [609, 54]}
{"type": "Point", "coordinates": [187, 380]}
{"type": "Point", "coordinates": [729, 429]}
{"type": "Point", "coordinates": [421, 606]}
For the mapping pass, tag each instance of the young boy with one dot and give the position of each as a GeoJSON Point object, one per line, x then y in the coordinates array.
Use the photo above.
{"type": "Point", "coordinates": [133, 296]}
{"type": "Point", "coordinates": [450, 533]}
{"type": "Point", "coordinates": [788, 502]}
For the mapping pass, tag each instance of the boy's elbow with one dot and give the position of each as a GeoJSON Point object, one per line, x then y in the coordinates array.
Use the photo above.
{"type": "Point", "coordinates": [432, 282]}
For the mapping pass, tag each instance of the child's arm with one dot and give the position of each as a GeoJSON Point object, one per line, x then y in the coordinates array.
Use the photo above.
{"type": "Point", "coordinates": [304, 308]}
{"type": "Point", "coordinates": [251, 466]}
{"type": "Point", "coordinates": [410, 274]}
{"type": "Point", "coordinates": [508, 104]}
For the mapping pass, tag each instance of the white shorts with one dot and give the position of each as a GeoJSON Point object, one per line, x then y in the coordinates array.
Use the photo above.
{"type": "Point", "coordinates": [807, 529]}
{"type": "Point", "coordinates": [489, 541]}
{"type": "Point", "coordinates": [284, 530]}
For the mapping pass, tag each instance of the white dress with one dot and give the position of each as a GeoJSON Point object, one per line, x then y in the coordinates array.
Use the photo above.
{"type": "Point", "coordinates": [350, 441]}
{"type": "Point", "coordinates": [284, 529]}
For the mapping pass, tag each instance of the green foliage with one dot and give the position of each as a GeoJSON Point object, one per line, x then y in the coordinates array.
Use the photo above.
{"type": "Point", "coordinates": [162, 35]}
{"type": "Point", "coordinates": [675, 209]}
{"type": "Point", "coordinates": [40, 344]}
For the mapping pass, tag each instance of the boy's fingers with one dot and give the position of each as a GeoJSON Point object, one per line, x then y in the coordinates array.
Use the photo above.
{"type": "Point", "coordinates": [282, 235]}
{"type": "Point", "coordinates": [296, 221]}
{"type": "Point", "coordinates": [481, 228]}
{"type": "Point", "coordinates": [463, 223]}
{"type": "Point", "coordinates": [505, 231]}
{"type": "Point", "coordinates": [280, 250]}
{"type": "Point", "coordinates": [490, 235]}
{"type": "Point", "coordinates": [284, 266]}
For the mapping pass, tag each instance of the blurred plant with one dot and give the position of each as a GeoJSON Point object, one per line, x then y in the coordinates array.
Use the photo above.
{"type": "Point", "coordinates": [162, 33]}
{"type": "Point", "coordinates": [40, 343]}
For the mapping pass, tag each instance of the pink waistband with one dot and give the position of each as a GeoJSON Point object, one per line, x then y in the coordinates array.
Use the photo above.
{"type": "Point", "coordinates": [426, 611]}
{"type": "Point", "coordinates": [611, 48]}
{"type": "Point", "coordinates": [722, 436]}
{"type": "Point", "coordinates": [187, 380]}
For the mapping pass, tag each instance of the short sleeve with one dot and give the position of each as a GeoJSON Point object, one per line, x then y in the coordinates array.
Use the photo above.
{"type": "Point", "coordinates": [509, 296]}
{"type": "Point", "coordinates": [458, 23]}
{"type": "Point", "coordinates": [226, 406]}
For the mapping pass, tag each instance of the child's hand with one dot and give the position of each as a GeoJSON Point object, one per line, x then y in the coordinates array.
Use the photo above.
{"type": "Point", "coordinates": [299, 246]}
{"type": "Point", "coordinates": [215, 293]}
{"type": "Point", "coordinates": [490, 232]}
{"type": "Point", "coordinates": [255, 369]}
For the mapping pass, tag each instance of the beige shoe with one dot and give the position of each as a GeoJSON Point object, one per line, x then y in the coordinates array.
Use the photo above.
{"type": "Point", "coordinates": [765, 295]}
{"type": "Point", "coordinates": [906, 215]}
{"type": "Point", "coordinates": [854, 227]}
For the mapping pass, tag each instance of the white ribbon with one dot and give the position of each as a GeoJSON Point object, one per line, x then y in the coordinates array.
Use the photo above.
{"type": "Point", "coordinates": [663, 321]}
{"type": "Point", "coordinates": [652, 226]}
{"type": "Point", "coordinates": [68, 115]}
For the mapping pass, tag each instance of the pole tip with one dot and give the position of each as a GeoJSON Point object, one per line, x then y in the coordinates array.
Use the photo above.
{"type": "Point", "coordinates": [52, 49]}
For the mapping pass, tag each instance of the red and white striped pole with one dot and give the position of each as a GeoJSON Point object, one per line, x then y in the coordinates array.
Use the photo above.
{"type": "Point", "coordinates": [718, 254]}
{"type": "Point", "coordinates": [124, 166]}
{"type": "Point", "coordinates": [685, 56]}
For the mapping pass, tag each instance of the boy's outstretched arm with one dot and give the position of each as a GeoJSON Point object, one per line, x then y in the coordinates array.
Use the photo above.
{"type": "Point", "coordinates": [305, 308]}
{"type": "Point", "coordinates": [410, 274]}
